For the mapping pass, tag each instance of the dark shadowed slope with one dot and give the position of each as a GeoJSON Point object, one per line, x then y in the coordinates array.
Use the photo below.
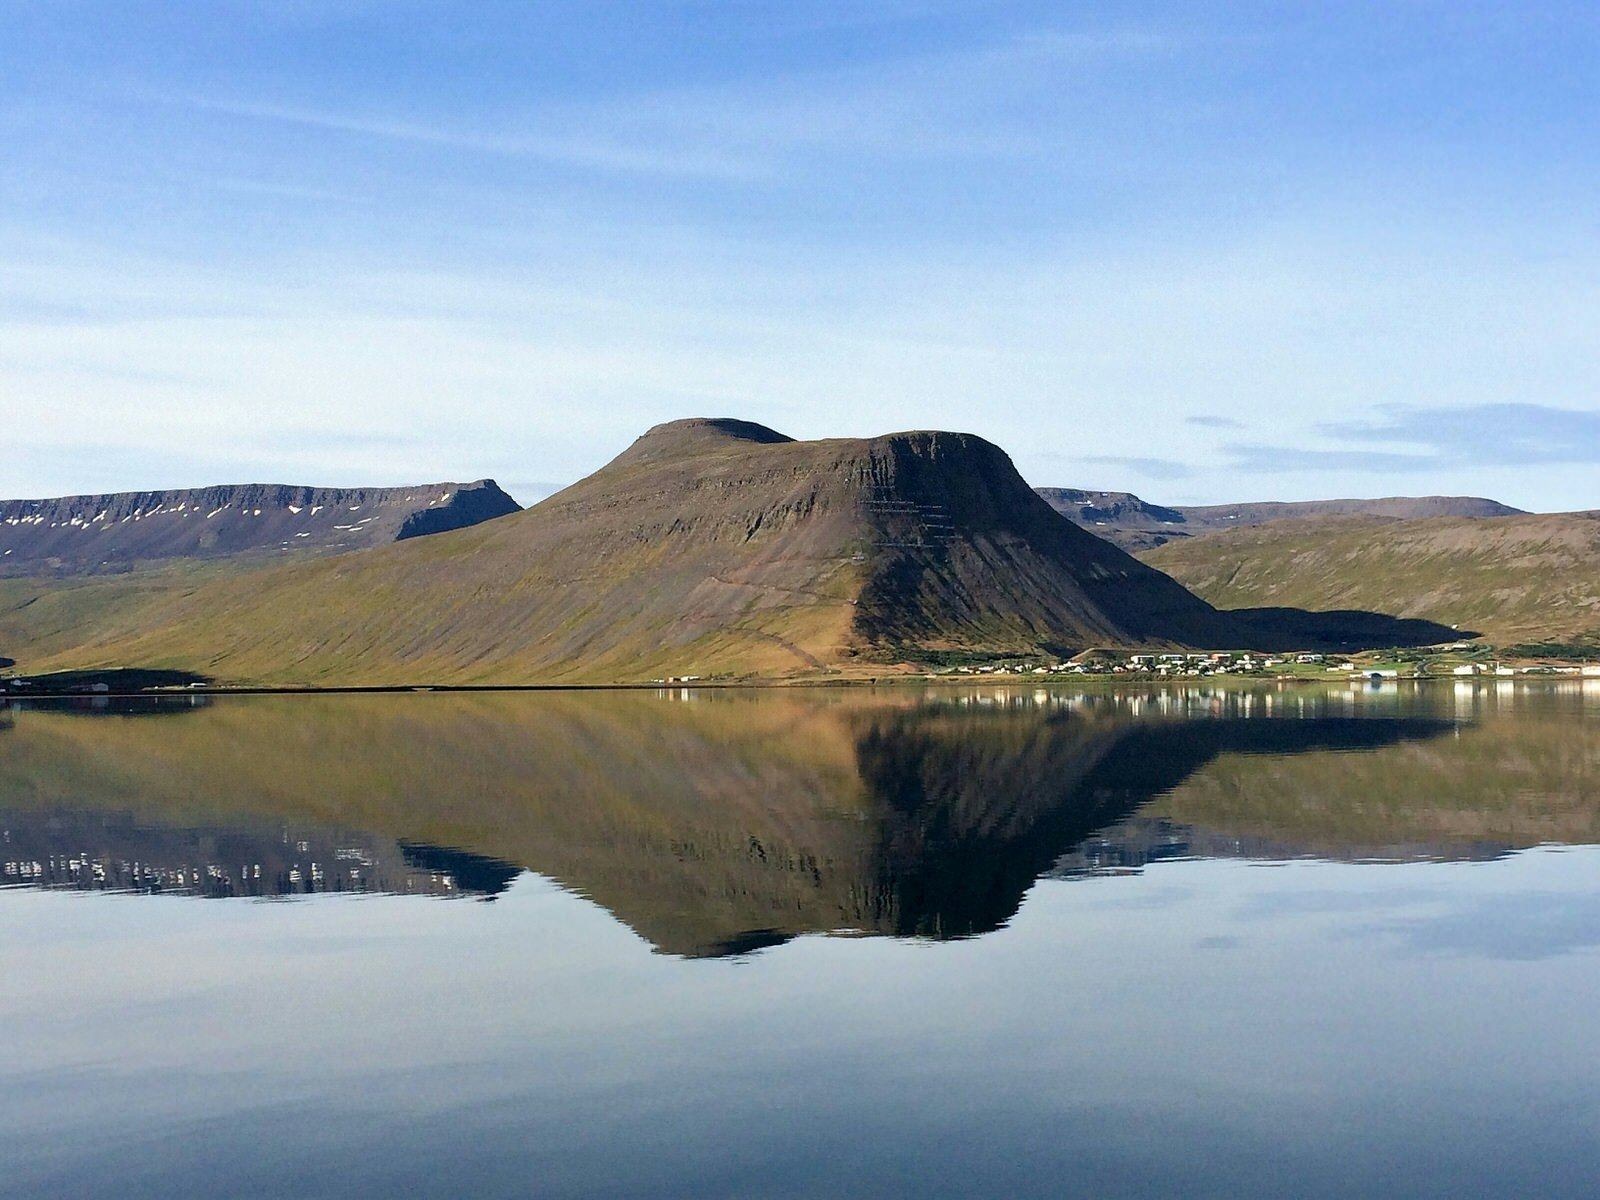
{"type": "Point", "coordinates": [709, 546]}
{"type": "Point", "coordinates": [1136, 525]}
{"type": "Point", "coordinates": [76, 535]}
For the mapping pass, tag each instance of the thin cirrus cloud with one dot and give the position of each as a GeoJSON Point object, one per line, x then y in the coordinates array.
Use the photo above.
{"type": "Point", "coordinates": [589, 151]}
{"type": "Point", "coordinates": [1276, 460]}
{"type": "Point", "coordinates": [1431, 437]}
{"type": "Point", "coordinates": [938, 105]}
{"type": "Point", "coordinates": [1153, 468]}
{"type": "Point", "coordinates": [1512, 433]}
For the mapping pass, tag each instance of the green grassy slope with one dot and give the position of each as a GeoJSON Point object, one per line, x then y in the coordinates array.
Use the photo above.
{"type": "Point", "coordinates": [1516, 578]}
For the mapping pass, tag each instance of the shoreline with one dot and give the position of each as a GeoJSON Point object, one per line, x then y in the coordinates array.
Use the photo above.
{"type": "Point", "coordinates": [884, 681]}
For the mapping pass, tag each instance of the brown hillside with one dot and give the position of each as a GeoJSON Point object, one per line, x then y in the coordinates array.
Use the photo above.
{"type": "Point", "coordinates": [708, 546]}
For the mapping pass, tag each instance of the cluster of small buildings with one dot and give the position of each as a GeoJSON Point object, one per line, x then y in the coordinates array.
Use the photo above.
{"type": "Point", "coordinates": [1220, 662]}
{"type": "Point", "coordinates": [1100, 663]}
{"type": "Point", "coordinates": [1022, 668]}
{"type": "Point", "coordinates": [1200, 664]}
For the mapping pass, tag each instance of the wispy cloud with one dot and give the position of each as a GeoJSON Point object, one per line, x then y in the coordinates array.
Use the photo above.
{"type": "Point", "coordinates": [586, 150]}
{"type": "Point", "coordinates": [1267, 460]}
{"type": "Point", "coordinates": [1153, 468]}
{"type": "Point", "coordinates": [1428, 438]}
{"type": "Point", "coordinates": [1521, 927]}
{"type": "Point", "coordinates": [1213, 422]}
{"type": "Point", "coordinates": [937, 103]}
{"type": "Point", "coordinates": [1520, 434]}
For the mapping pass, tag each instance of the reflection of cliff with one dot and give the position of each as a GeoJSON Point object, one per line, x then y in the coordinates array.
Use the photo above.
{"type": "Point", "coordinates": [979, 809]}
{"type": "Point", "coordinates": [738, 819]}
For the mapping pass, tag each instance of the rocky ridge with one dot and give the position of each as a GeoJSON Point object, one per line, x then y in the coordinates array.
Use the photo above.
{"type": "Point", "coordinates": [1136, 525]}
{"type": "Point", "coordinates": [75, 535]}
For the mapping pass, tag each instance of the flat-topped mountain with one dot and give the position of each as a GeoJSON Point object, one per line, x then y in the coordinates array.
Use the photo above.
{"type": "Point", "coordinates": [1121, 518]}
{"type": "Point", "coordinates": [709, 546]}
{"type": "Point", "coordinates": [1134, 524]}
{"type": "Point", "coordinates": [75, 535]}
{"type": "Point", "coordinates": [1405, 508]}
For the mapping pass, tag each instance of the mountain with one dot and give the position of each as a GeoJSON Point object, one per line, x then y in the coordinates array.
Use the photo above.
{"type": "Point", "coordinates": [76, 535]}
{"type": "Point", "coordinates": [1223, 516]}
{"type": "Point", "coordinates": [1121, 518]}
{"type": "Point", "coordinates": [709, 546]}
{"type": "Point", "coordinates": [1136, 525]}
{"type": "Point", "coordinates": [1514, 578]}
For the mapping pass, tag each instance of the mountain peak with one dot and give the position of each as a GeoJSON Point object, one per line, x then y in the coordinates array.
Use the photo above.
{"type": "Point", "coordinates": [699, 435]}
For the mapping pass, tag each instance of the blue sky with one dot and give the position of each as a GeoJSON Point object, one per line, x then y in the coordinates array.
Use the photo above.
{"type": "Point", "coordinates": [1202, 252]}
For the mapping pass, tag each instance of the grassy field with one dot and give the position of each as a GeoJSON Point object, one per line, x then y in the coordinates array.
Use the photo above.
{"type": "Point", "coordinates": [1519, 579]}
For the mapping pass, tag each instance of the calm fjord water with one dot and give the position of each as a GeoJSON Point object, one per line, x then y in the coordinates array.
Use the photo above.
{"type": "Point", "coordinates": [1009, 942]}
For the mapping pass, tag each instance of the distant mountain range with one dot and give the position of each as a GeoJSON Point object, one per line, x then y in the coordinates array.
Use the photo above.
{"type": "Point", "coordinates": [1134, 524]}
{"type": "Point", "coordinates": [708, 547]}
{"type": "Point", "coordinates": [718, 547]}
{"type": "Point", "coordinates": [77, 535]}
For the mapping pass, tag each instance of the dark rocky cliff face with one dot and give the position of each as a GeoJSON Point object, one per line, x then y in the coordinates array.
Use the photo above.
{"type": "Point", "coordinates": [76, 535]}
{"type": "Point", "coordinates": [469, 504]}
{"type": "Point", "coordinates": [971, 554]}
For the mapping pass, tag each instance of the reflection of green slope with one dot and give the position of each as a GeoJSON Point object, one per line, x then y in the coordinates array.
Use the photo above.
{"type": "Point", "coordinates": [1503, 784]}
{"type": "Point", "coordinates": [738, 819]}
{"type": "Point", "coordinates": [1525, 772]}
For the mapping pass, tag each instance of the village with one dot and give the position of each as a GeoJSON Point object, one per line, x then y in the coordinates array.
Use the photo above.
{"type": "Point", "coordinates": [1456, 661]}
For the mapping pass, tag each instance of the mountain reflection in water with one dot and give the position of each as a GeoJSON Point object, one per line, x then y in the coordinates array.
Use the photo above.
{"type": "Point", "coordinates": [715, 823]}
